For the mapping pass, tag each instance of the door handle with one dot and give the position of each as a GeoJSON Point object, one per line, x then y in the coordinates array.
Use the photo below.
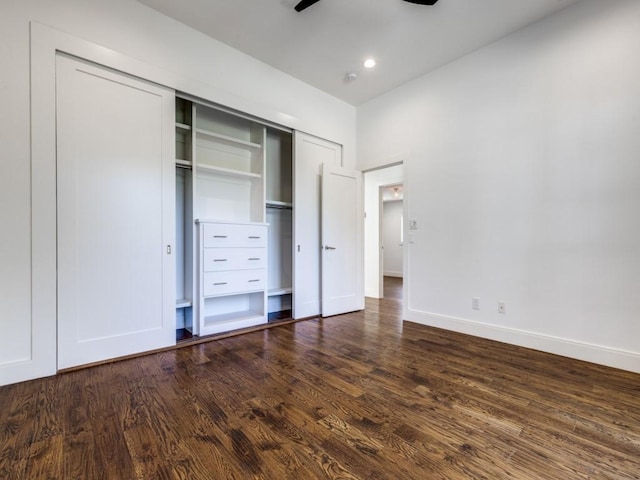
{"type": "Point", "coordinates": [327, 247]}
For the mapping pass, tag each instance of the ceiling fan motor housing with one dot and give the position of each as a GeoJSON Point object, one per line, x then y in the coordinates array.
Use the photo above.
{"type": "Point", "coordinates": [304, 4]}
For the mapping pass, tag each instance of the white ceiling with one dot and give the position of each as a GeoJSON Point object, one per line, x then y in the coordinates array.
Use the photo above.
{"type": "Point", "coordinates": [333, 37]}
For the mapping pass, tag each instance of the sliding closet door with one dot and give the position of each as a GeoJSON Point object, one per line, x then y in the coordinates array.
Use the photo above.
{"type": "Point", "coordinates": [116, 210]}
{"type": "Point", "coordinates": [310, 154]}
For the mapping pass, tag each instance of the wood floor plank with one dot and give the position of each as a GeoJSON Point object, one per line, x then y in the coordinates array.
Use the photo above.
{"type": "Point", "coordinates": [80, 456]}
{"type": "Point", "coordinates": [45, 460]}
{"type": "Point", "coordinates": [114, 457]}
{"type": "Point", "coordinates": [145, 453]}
{"type": "Point", "coordinates": [18, 414]}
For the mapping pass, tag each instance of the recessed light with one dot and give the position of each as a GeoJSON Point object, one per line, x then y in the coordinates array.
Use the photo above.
{"type": "Point", "coordinates": [369, 63]}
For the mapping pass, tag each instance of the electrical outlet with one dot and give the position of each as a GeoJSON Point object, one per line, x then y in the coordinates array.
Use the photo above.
{"type": "Point", "coordinates": [502, 308]}
{"type": "Point", "coordinates": [475, 303]}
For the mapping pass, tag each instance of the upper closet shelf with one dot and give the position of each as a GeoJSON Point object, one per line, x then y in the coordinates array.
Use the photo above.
{"type": "Point", "coordinates": [225, 138]}
{"type": "Point", "coordinates": [183, 126]}
{"type": "Point", "coordinates": [227, 171]}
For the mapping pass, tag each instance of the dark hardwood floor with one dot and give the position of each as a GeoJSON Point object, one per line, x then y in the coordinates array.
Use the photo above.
{"type": "Point", "coordinates": [392, 288]}
{"type": "Point", "coordinates": [358, 396]}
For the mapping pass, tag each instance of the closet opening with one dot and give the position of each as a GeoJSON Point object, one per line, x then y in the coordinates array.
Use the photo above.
{"type": "Point", "coordinates": [184, 221]}
{"type": "Point", "coordinates": [279, 217]}
{"type": "Point", "coordinates": [234, 225]}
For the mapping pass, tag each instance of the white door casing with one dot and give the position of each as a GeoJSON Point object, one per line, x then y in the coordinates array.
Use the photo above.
{"type": "Point", "coordinates": [310, 154]}
{"type": "Point", "coordinates": [115, 214]}
{"type": "Point", "coordinates": [342, 230]}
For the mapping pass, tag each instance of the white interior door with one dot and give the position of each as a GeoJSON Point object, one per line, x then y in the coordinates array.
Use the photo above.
{"type": "Point", "coordinates": [115, 214]}
{"type": "Point", "coordinates": [342, 242]}
{"type": "Point", "coordinates": [310, 154]}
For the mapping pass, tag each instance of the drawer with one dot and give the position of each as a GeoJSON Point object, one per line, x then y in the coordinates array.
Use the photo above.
{"type": "Point", "coordinates": [220, 259]}
{"type": "Point", "coordinates": [234, 235]}
{"type": "Point", "coordinates": [231, 282]}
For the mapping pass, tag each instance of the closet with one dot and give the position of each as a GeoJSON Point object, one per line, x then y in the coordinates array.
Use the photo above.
{"type": "Point", "coordinates": [158, 212]}
{"type": "Point", "coordinates": [234, 203]}
{"type": "Point", "coordinates": [202, 221]}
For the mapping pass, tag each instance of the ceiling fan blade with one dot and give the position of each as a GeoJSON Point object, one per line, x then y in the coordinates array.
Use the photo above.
{"type": "Point", "coordinates": [422, 2]}
{"type": "Point", "coordinates": [305, 4]}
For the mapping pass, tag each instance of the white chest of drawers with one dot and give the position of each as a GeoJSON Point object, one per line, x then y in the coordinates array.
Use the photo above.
{"type": "Point", "coordinates": [232, 277]}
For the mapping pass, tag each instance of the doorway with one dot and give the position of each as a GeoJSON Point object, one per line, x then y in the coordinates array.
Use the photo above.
{"type": "Point", "coordinates": [392, 239]}
{"type": "Point", "coordinates": [375, 183]}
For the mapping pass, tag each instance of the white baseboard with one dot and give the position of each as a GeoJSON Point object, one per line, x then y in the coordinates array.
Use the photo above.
{"type": "Point", "coordinates": [611, 357]}
{"type": "Point", "coordinates": [393, 274]}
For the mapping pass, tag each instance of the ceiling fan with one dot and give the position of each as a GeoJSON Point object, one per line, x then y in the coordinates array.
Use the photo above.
{"type": "Point", "coordinates": [307, 3]}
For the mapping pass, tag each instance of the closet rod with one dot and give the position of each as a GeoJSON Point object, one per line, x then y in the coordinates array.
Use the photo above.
{"type": "Point", "coordinates": [280, 206]}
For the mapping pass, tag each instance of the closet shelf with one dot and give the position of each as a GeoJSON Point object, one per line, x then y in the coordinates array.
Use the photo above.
{"type": "Point", "coordinates": [225, 138]}
{"type": "Point", "coordinates": [231, 321]}
{"type": "Point", "coordinates": [273, 292]}
{"type": "Point", "coordinates": [183, 126]}
{"type": "Point", "coordinates": [227, 171]}
{"type": "Point", "coordinates": [278, 204]}
{"type": "Point", "coordinates": [233, 317]}
{"type": "Point", "coordinates": [183, 303]}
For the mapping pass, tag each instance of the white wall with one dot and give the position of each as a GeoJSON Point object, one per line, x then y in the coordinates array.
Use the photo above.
{"type": "Point", "coordinates": [220, 73]}
{"type": "Point", "coordinates": [524, 180]}
{"type": "Point", "coordinates": [391, 238]}
{"type": "Point", "coordinates": [373, 180]}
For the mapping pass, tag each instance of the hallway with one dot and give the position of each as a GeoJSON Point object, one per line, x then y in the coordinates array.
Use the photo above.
{"type": "Point", "coordinates": [393, 287]}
